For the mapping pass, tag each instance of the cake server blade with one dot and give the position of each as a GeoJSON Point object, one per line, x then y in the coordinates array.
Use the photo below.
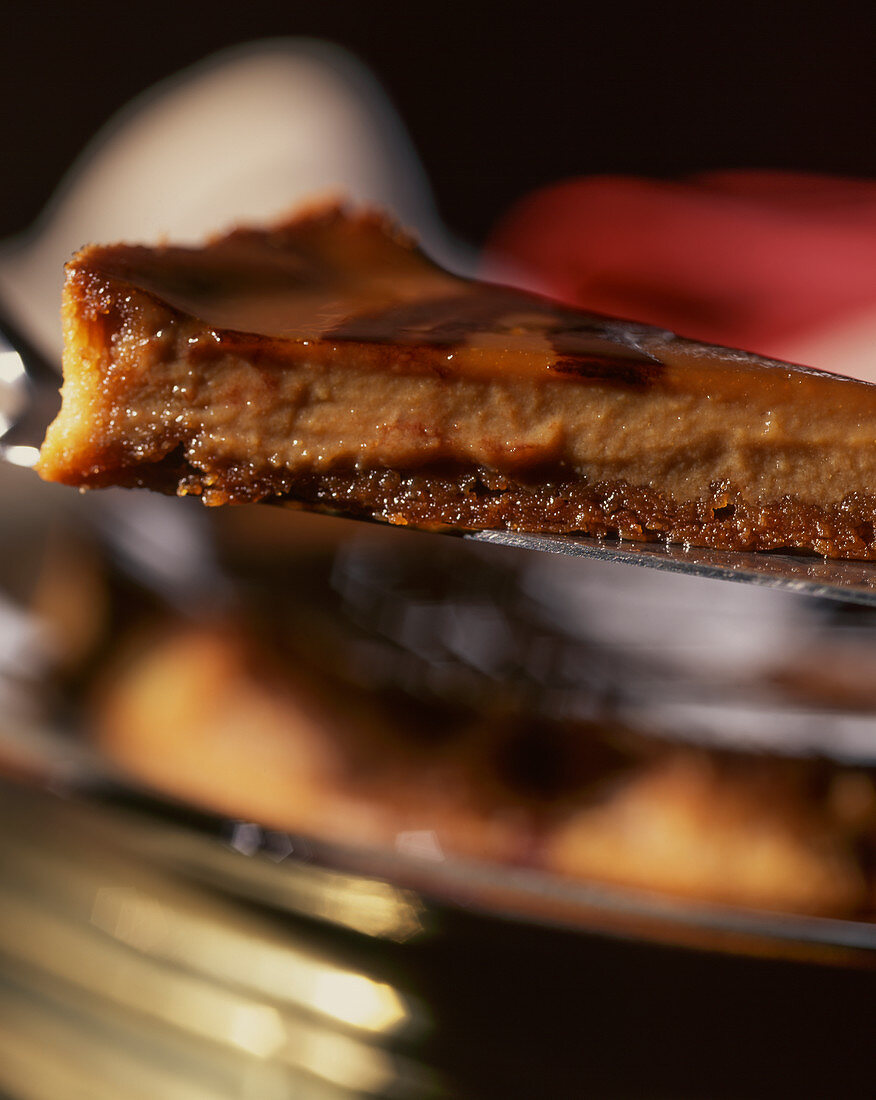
{"type": "Point", "coordinates": [808, 575]}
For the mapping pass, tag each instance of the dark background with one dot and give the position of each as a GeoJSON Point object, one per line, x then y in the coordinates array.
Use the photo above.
{"type": "Point", "coordinates": [496, 102]}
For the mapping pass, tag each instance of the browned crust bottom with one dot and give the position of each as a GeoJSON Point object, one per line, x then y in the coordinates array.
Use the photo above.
{"type": "Point", "coordinates": [481, 499]}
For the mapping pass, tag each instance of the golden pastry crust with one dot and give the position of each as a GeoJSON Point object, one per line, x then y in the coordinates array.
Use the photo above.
{"type": "Point", "coordinates": [694, 826]}
{"type": "Point", "coordinates": [200, 714]}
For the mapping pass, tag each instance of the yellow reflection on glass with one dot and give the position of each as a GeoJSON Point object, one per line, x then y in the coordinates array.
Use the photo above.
{"type": "Point", "coordinates": [256, 1029]}
{"type": "Point", "coordinates": [358, 1001]}
{"type": "Point", "coordinates": [221, 946]}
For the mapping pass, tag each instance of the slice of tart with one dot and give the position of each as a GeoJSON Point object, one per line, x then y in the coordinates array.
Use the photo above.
{"type": "Point", "coordinates": [328, 362]}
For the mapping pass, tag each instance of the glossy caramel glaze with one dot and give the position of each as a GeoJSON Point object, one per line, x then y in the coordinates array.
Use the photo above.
{"type": "Point", "coordinates": [327, 357]}
{"type": "Point", "coordinates": [338, 280]}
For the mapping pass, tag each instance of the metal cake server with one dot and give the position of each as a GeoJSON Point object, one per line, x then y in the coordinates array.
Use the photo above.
{"type": "Point", "coordinates": [804, 574]}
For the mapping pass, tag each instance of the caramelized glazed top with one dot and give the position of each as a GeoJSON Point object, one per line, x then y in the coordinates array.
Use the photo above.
{"type": "Point", "coordinates": [332, 278]}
